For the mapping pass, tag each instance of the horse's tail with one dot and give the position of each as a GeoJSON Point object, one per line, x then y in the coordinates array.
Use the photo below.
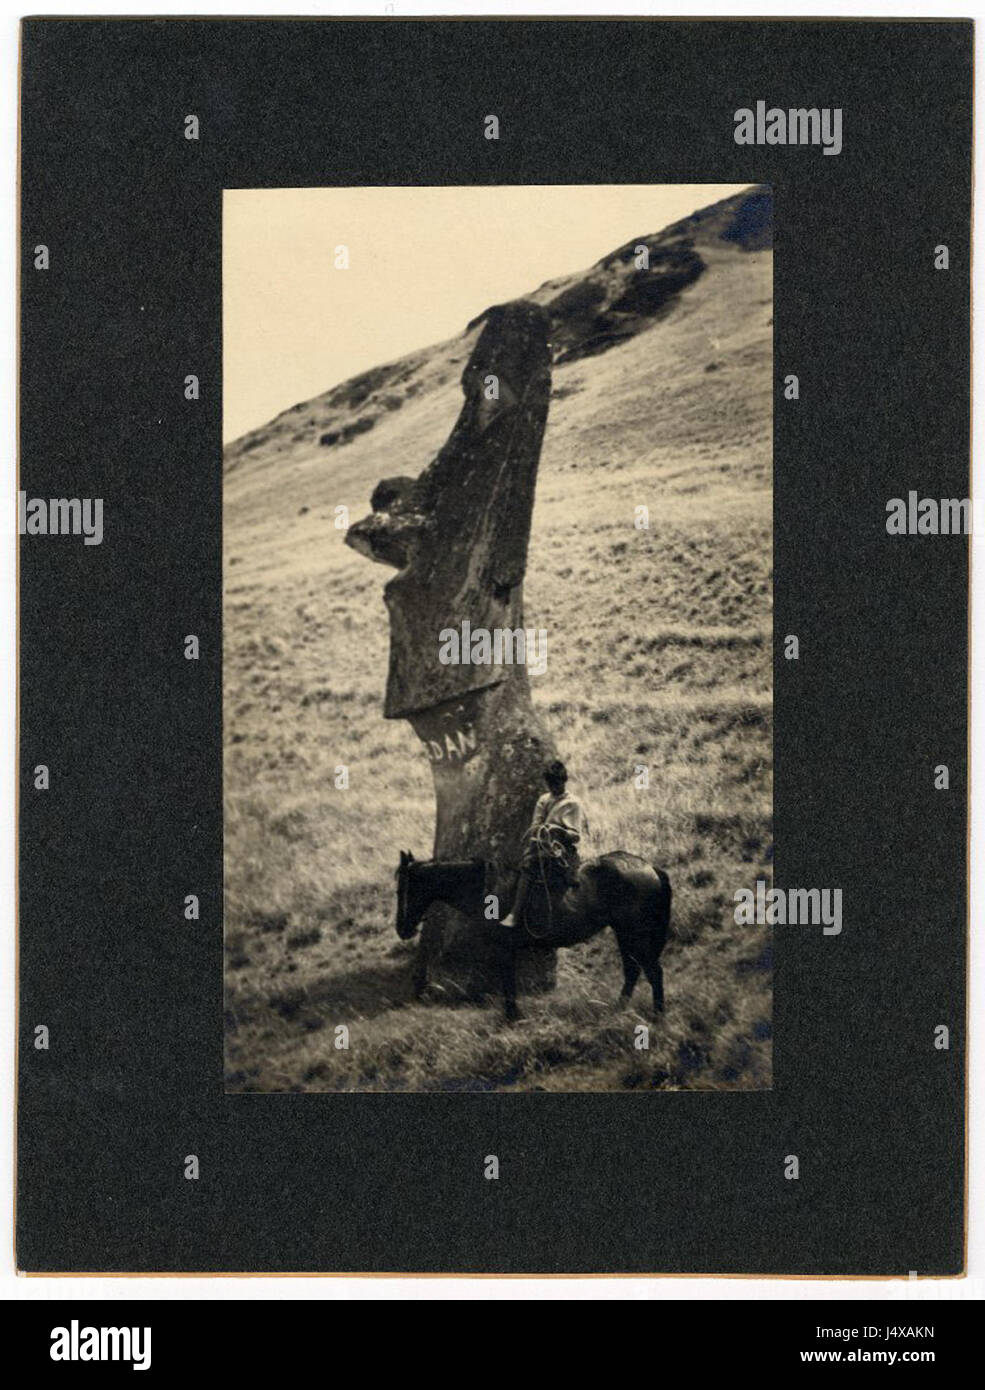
{"type": "Point", "coordinates": [663, 905]}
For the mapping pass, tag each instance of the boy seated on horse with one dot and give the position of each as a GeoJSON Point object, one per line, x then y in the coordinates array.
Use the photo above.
{"type": "Point", "coordinates": [551, 843]}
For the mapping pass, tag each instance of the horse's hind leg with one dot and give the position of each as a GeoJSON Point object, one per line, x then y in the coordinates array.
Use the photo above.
{"type": "Point", "coordinates": [630, 966]}
{"type": "Point", "coordinates": [657, 981]}
{"type": "Point", "coordinates": [640, 949]}
{"type": "Point", "coordinates": [655, 975]}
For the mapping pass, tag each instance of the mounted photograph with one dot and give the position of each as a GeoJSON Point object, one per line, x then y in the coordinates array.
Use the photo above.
{"type": "Point", "coordinates": [497, 637]}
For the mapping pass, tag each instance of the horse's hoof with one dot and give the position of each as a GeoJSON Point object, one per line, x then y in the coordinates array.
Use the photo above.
{"type": "Point", "coordinates": [511, 1013]}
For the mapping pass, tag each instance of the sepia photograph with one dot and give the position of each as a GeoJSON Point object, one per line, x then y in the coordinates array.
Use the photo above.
{"type": "Point", "coordinates": [497, 638]}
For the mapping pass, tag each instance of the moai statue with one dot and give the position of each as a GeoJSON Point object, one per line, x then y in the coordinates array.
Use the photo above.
{"type": "Point", "coordinates": [458, 536]}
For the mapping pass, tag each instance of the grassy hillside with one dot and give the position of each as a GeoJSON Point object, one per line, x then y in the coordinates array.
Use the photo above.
{"type": "Point", "coordinates": [660, 653]}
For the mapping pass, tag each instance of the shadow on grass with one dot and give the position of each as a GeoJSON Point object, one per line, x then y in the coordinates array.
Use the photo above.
{"type": "Point", "coordinates": [366, 990]}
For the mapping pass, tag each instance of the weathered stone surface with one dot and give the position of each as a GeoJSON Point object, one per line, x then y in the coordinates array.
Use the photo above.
{"type": "Point", "coordinates": [459, 536]}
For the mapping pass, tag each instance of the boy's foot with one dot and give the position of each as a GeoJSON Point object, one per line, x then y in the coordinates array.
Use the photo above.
{"type": "Point", "coordinates": [508, 921]}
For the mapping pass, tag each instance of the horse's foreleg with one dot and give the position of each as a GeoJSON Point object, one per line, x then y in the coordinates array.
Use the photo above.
{"type": "Point", "coordinates": [428, 945]}
{"type": "Point", "coordinates": [420, 969]}
{"type": "Point", "coordinates": [508, 973]}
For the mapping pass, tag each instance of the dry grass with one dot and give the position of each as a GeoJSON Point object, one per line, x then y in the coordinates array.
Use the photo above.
{"type": "Point", "coordinates": [660, 652]}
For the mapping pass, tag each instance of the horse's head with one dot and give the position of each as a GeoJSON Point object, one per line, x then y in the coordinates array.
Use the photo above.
{"type": "Point", "coordinates": [410, 908]}
{"type": "Point", "coordinates": [460, 883]}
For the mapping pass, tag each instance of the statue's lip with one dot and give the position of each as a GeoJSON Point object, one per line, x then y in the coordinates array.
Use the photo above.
{"type": "Point", "coordinates": [386, 538]}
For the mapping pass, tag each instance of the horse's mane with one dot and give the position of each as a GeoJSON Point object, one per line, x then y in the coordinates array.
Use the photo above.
{"type": "Point", "coordinates": [442, 863]}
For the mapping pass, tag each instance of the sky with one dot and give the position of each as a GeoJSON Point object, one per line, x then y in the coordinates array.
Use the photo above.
{"type": "Point", "coordinates": [422, 263]}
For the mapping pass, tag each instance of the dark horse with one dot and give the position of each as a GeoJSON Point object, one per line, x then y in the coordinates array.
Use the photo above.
{"type": "Point", "coordinates": [617, 890]}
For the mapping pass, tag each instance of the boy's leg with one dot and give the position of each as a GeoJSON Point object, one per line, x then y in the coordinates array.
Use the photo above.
{"type": "Point", "coordinates": [523, 883]}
